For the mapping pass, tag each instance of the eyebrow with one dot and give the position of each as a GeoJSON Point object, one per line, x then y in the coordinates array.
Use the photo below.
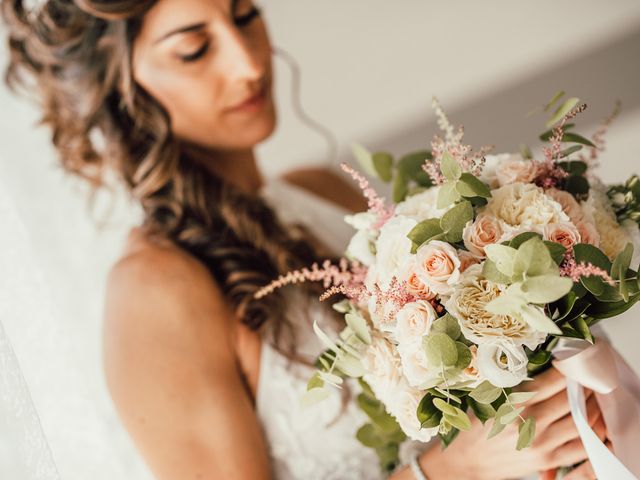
{"type": "Point", "coordinates": [185, 29]}
{"type": "Point", "coordinates": [190, 28]}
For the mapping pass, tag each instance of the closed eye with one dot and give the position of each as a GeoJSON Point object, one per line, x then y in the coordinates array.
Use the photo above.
{"type": "Point", "coordinates": [190, 57]}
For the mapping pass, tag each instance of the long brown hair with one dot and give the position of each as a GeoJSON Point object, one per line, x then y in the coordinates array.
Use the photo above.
{"type": "Point", "coordinates": [79, 54]}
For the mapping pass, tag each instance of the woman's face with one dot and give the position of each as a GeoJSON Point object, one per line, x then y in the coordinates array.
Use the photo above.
{"type": "Point", "coordinates": [200, 59]}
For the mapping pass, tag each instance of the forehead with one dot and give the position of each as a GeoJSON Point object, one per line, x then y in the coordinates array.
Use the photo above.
{"type": "Point", "coordinates": [167, 15]}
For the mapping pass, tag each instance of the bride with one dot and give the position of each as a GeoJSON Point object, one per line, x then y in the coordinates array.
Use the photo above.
{"type": "Point", "coordinates": [173, 96]}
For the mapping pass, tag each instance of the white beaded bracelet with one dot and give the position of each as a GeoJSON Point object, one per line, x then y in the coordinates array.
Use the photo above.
{"type": "Point", "coordinates": [415, 468]}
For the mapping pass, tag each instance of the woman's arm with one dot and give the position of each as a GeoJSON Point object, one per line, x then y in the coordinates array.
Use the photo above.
{"type": "Point", "coordinates": [172, 372]}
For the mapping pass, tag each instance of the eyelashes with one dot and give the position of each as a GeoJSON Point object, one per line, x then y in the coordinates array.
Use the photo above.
{"type": "Point", "coordinates": [246, 19]}
{"type": "Point", "coordinates": [239, 21]}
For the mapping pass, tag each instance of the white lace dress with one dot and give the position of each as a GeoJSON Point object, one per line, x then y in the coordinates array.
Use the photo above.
{"type": "Point", "coordinates": [303, 443]}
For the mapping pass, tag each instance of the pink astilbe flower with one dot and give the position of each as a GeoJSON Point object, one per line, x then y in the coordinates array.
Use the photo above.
{"type": "Point", "coordinates": [598, 138]}
{"type": "Point", "coordinates": [375, 202]}
{"type": "Point", "coordinates": [575, 270]}
{"type": "Point", "coordinates": [549, 174]}
{"type": "Point", "coordinates": [346, 273]}
{"type": "Point", "coordinates": [469, 161]}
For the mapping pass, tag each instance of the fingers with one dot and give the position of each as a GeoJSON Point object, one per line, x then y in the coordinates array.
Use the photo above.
{"type": "Point", "coordinates": [582, 472]}
{"type": "Point", "coordinates": [567, 454]}
{"type": "Point", "coordinates": [548, 474]}
{"type": "Point", "coordinates": [546, 385]}
{"type": "Point", "coordinates": [564, 429]}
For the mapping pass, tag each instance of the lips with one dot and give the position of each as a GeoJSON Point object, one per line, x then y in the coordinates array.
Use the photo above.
{"type": "Point", "coordinates": [251, 100]}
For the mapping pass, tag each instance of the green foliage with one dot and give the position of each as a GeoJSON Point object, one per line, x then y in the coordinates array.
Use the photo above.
{"type": "Point", "coordinates": [526, 433]}
{"type": "Point", "coordinates": [448, 228]}
{"type": "Point", "coordinates": [561, 111]}
{"type": "Point", "coordinates": [383, 433]}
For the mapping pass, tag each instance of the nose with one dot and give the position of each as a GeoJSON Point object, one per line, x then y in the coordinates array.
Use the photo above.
{"type": "Point", "coordinates": [240, 56]}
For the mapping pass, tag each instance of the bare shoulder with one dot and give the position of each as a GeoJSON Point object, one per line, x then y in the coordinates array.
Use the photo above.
{"type": "Point", "coordinates": [329, 184]}
{"type": "Point", "coordinates": [171, 369]}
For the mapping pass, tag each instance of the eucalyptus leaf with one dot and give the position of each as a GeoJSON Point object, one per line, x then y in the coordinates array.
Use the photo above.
{"type": "Point", "coordinates": [460, 420]}
{"type": "Point", "coordinates": [400, 186]}
{"type": "Point", "coordinates": [464, 356]}
{"type": "Point", "coordinates": [526, 433]}
{"type": "Point", "coordinates": [440, 349]}
{"type": "Point", "coordinates": [450, 167]}
{"type": "Point", "coordinates": [369, 436]}
{"type": "Point", "coordinates": [532, 258]}
{"type": "Point", "coordinates": [569, 150]}
{"type": "Point", "coordinates": [446, 324]}
{"type": "Point", "coordinates": [454, 220]}
{"type": "Point", "coordinates": [519, 239]}
{"type": "Point", "coordinates": [496, 428]}
{"type": "Point", "coordinates": [383, 164]}
{"type": "Point", "coordinates": [582, 328]}
{"type": "Point", "coordinates": [562, 110]}
{"type": "Point", "coordinates": [545, 288]}
{"type": "Point", "coordinates": [491, 272]}
{"type": "Point", "coordinates": [364, 158]}
{"type": "Point", "coordinates": [502, 256]}
{"type": "Point", "coordinates": [428, 415]}
{"type": "Point", "coordinates": [471, 186]}
{"type": "Point", "coordinates": [444, 407]}
{"type": "Point", "coordinates": [509, 415]}
{"type": "Point", "coordinates": [482, 411]}
{"type": "Point", "coordinates": [521, 397]}
{"type": "Point", "coordinates": [447, 195]}
{"type": "Point", "coordinates": [576, 185]}
{"type": "Point", "coordinates": [314, 395]}
{"type": "Point", "coordinates": [425, 231]}
{"type": "Point", "coordinates": [358, 324]}
{"type": "Point", "coordinates": [556, 96]}
{"type": "Point", "coordinates": [485, 393]}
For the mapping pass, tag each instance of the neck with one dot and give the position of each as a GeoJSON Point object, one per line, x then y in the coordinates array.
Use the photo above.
{"type": "Point", "coordinates": [237, 167]}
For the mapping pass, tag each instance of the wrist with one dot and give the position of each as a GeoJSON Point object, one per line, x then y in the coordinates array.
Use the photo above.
{"type": "Point", "coordinates": [435, 463]}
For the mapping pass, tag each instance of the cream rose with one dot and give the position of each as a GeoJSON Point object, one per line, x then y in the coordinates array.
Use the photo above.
{"type": "Point", "coordinates": [569, 204]}
{"type": "Point", "coordinates": [438, 266]}
{"type": "Point", "coordinates": [467, 305]}
{"type": "Point", "coordinates": [515, 169]}
{"type": "Point", "coordinates": [484, 231]}
{"type": "Point", "coordinates": [413, 321]}
{"type": "Point", "coordinates": [613, 237]}
{"type": "Point", "coordinates": [524, 206]}
{"type": "Point", "coordinates": [564, 233]}
{"type": "Point", "coordinates": [413, 283]}
{"type": "Point", "coordinates": [393, 249]}
{"type": "Point", "coordinates": [403, 408]}
{"type": "Point", "coordinates": [502, 362]}
{"type": "Point", "coordinates": [383, 370]}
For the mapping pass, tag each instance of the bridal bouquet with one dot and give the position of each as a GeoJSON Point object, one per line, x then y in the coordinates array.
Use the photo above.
{"type": "Point", "coordinates": [471, 281]}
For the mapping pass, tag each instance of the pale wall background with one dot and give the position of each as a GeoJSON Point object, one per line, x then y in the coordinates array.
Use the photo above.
{"type": "Point", "coordinates": [369, 69]}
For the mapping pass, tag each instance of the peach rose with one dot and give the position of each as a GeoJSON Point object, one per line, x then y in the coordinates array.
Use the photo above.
{"type": "Point", "coordinates": [514, 170]}
{"type": "Point", "coordinates": [438, 266]}
{"type": "Point", "coordinates": [564, 233]}
{"type": "Point", "coordinates": [485, 230]}
{"type": "Point", "coordinates": [569, 204]}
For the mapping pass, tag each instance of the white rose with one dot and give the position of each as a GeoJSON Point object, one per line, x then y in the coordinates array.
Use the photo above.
{"type": "Point", "coordinates": [524, 206]}
{"type": "Point", "coordinates": [415, 365]}
{"type": "Point", "coordinates": [489, 174]}
{"type": "Point", "coordinates": [502, 362]}
{"type": "Point", "coordinates": [361, 220]}
{"type": "Point", "coordinates": [404, 408]}
{"type": "Point", "coordinates": [421, 206]}
{"type": "Point", "coordinates": [467, 305]}
{"type": "Point", "coordinates": [438, 266]}
{"type": "Point", "coordinates": [413, 321]}
{"type": "Point", "coordinates": [569, 204]}
{"type": "Point", "coordinates": [515, 169]}
{"type": "Point", "coordinates": [359, 248]}
{"type": "Point", "coordinates": [485, 230]}
{"type": "Point", "coordinates": [393, 249]}
{"type": "Point", "coordinates": [383, 370]}
{"type": "Point", "coordinates": [564, 233]}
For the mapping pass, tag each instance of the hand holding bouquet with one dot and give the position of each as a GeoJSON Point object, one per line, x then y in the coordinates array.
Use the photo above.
{"type": "Point", "coordinates": [485, 270]}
